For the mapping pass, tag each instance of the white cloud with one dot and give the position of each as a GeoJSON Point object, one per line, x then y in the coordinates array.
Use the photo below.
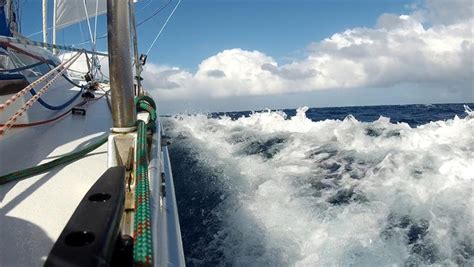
{"type": "Point", "coordinates": [433, 45]}
{"type": "Point", "coordinates": [446, 12]}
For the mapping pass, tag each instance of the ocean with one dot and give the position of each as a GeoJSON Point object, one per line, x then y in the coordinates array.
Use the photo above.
{"type": "Point", "coordinates": [359, 186]}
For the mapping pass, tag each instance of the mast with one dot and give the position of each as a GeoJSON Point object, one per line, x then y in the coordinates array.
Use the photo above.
{"type": "Point", "coordinates": [45, 21]}
{"type": "Point", "coordinates": [120, 67]}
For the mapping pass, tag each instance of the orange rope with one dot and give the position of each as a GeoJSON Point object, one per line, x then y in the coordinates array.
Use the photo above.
{"type": "Point", "coordinates": [38, 81]}
{"type": "Point", "coordinates": [24, 125]}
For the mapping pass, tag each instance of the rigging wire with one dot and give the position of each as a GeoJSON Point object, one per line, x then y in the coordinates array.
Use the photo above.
{"type": "Point", "coordinates": [89, 40]}
{"type": "Point", "coordinates": [94, 38]}
{"type": "Point", "coordinates": [158, 10]}
{"type": "Point", "coordinates": [162, 28]}
{"type": "Point", "coordinates": [146, 5]}
{"type": "Point", "coordinates": [36, 33]}
{"type": "Point", "coordinates": [95, 61]}
{"type": "Point", "coordinates": [95, 22]}
{"type": "Point", "coordinates": [155, 13]}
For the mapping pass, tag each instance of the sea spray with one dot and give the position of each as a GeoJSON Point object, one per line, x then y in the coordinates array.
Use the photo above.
{"type": "Point", "coordinates": [276, 190]}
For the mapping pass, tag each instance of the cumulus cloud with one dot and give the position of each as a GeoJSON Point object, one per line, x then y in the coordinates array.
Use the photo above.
{"type": "Point", "coordinates": [433, 45]}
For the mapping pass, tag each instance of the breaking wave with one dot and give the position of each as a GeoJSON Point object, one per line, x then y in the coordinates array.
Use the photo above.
{"type": "Point", "coordinates": [273, 190]}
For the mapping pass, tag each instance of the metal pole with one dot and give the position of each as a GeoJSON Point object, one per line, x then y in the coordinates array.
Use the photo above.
{"type": "Point", "coordinates": [120, 67]}
{"type": "Point", "coordinates": [45, 21]}
{"type": "Point", "coordinates": [55, 5]}
{"type": "Point", "coordinates": [138, 67]}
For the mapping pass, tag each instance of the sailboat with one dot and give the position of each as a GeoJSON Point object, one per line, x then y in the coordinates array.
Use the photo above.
{"type": "Point", "coordinates": [85, 176]}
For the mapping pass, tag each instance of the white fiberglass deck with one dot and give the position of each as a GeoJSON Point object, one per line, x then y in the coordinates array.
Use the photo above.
{"type": "Point", "coordinates": [34, 211]}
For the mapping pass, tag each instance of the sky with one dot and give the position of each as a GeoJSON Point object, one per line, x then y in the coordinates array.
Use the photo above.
{"type": "Point", "coordinates": [229, 55]}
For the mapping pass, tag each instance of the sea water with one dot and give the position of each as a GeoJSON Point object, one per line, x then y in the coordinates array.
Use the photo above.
{"type": "Point", "coordinates": [358, 186]}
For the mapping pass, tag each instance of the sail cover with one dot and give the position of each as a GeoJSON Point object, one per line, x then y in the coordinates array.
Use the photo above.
{"type": "Point", "coordinates": [69, 12]}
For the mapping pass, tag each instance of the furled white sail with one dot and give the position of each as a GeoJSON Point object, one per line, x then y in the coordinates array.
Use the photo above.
{"type": "Point", "coordinates": [69, 12]}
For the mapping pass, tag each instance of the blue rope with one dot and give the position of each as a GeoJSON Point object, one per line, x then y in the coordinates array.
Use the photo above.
{"type": "Point", "coordinates": [48, 106]}
{"type": "Point", "coordinates": [69, 102]}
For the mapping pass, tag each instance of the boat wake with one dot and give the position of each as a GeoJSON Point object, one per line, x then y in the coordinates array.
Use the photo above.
{"type": "Point", "coordinates": [273, 190]}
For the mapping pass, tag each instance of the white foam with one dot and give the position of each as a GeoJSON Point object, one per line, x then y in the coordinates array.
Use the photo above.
{"type": "Point", "coordinates": [283, 208]}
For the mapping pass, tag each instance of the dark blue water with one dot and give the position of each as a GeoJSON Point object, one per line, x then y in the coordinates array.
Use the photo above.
{"type": "Point", "coordinates": [414, 115]}
{"type": "Point", "coordinates": [208, 196]}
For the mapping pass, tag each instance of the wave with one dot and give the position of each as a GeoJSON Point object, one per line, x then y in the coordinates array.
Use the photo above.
{"type": "Point", "coordinates": [268, 189]}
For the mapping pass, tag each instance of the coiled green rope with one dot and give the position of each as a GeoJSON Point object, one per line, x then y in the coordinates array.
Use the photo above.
{"type": "Point", "coordinates": [146, 103]}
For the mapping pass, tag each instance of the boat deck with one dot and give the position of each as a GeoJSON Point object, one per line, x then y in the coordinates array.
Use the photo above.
{"type": "Point", "coordinates": [34, 211]}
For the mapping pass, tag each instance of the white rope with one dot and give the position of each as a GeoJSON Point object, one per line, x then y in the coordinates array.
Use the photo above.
{"type": "Point", "coordinates": [162, 28]}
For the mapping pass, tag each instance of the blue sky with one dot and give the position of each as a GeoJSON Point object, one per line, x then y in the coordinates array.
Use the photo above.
{"type": "Point", "coordinates": [202, 28]}
{"type": "Point", "coordinates": [285, 34]}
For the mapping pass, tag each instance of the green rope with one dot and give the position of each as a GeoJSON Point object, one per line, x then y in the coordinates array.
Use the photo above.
{"type": "Point", "coordinates": [52, 164]}
{"type": "Point", "coordinates": [143, 243]}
